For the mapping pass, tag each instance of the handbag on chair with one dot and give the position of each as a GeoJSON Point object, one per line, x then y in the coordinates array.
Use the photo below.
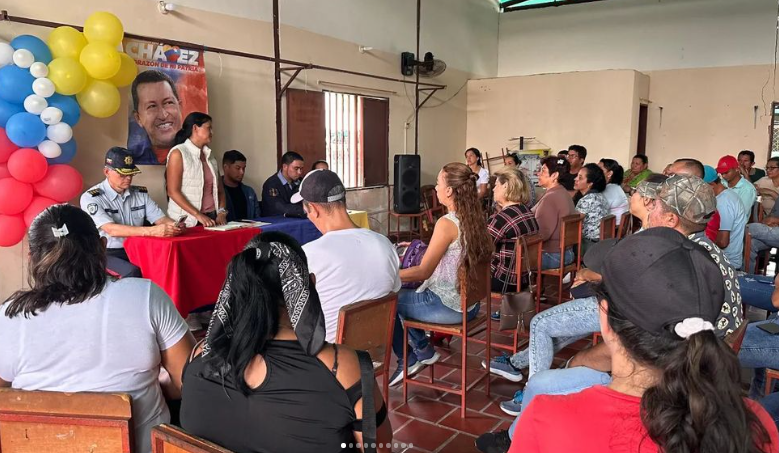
{"type": "Point", "coordinates": [518, 309]}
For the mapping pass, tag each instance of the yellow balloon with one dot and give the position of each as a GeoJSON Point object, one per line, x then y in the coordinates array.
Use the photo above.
{"type": "Point", "coordinates": [127, 72]}
{"type": "Point", "coordinates": [104, 27]}
{"type": "Point", "coordinates": [100, 99]}
{"type": "Point", "coordinates": [68, 75]}
{"type": "Point", "coordinates": [66, 42]}
{"type": "Point", "coordinates": [101, 60]}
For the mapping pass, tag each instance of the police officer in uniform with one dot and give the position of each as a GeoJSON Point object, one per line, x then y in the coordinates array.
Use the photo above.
{"type": "Point", "coordinates": [279, 188]}
{"type": "Point", "coordinates": [120, 210]}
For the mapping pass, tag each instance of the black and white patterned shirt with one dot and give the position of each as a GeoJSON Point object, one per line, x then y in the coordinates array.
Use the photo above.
{"type": "Point", "coordinates": [731, 315]}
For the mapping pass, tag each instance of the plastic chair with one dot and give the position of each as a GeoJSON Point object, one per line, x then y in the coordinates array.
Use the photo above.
{"type": "Point", "coordinates": [368, 326]}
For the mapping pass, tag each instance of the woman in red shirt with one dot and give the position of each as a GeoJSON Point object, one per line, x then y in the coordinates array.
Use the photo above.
{"type": "Point", "coordinates": [675, 385]}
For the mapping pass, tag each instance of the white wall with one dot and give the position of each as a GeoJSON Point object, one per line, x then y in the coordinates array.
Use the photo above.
{"type": "Point", "coordinates": [637, 34]}
{"type": "Point", "coordinates": [464, 33]}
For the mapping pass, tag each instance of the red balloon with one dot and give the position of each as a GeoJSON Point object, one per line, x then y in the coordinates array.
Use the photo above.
{"type": "Point", "coordinates": [4, 173]}
{"type": "Point", "coordinates": [7, 147]}
{"type": "Point", "coordinates": [27, 165]}
{"type": "Point", "coordinates": [38, 205]}
{"type": "Point", "coordinates": [61, 183]}
{"type": "Point", "coordinates": [15, 196]}
{"type": "Point", "coordinates": [12, 230]}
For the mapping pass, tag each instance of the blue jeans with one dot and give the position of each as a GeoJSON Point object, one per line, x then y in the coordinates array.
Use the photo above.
{"type": "Point", "coordinates": [427, 307]}
{"type": "Point", "coordinates": [756, 290]}
{"type": "Point", "coordinates": [552, 260]}
{"type": "Point", "coordinates": [760, 350]}
{"type": "Point", "coordinates": [554, 329]}
{"type": "Point", "coordinates": [560, 382]}
{"type": "Point", "coordinates": [763, 237]}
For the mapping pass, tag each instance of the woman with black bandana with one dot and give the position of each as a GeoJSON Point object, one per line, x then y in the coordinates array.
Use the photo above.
{"type": "Point", "coordinates": [264, 379]}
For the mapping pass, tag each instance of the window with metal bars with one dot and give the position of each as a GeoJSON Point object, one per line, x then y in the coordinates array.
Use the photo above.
{"type": "Point", "coordinates": [349, 131]}
{"type": "Point", "coordinates": [343, 134]}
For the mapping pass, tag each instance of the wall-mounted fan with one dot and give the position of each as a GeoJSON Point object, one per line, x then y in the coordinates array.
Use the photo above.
{"type": "Point", "coordinates": [429, 67]}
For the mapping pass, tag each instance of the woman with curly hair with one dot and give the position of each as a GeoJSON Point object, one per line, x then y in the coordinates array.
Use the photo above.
{"type": "Point", "coordinates": [460, 241]}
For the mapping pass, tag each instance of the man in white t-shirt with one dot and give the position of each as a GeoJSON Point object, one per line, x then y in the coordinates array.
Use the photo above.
{"type": "Point", "coordinates": [350, 264]}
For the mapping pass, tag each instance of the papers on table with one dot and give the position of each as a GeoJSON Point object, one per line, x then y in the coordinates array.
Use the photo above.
{"type": "Point", "coordinates": [236, 225]}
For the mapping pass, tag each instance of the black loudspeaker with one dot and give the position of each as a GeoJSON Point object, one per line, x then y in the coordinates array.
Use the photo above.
{"type": "Point", "coordinates": [406, 193]}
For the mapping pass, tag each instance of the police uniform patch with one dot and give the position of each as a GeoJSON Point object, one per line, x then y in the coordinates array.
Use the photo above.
{"type": "Point", "coordinates": [273, 192]}
{"type": "Point", "coordinates": [92, 208]}
{"type": "Point", "coordinates": [128, 160]}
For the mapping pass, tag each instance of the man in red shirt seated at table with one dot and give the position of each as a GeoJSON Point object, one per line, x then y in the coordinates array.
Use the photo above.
{"type": "Point", "coordinates": [120, 210]}
{"type": "Point", "coordinates": [350, 264]}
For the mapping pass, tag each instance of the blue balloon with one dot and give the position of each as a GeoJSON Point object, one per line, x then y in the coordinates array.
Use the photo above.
{"type": "Point", "coordinates": [35, 45]}
{"type": "Point", "coordinates": [68, 153]}
{"type": "Point", "coordinates": [8, 110]}
{"type": "Point", "coordinates": [25, 130]}
{"type": "Point", "coordinates": [15, 84]}
{"type": "Point", "coordinates": [71, 111]}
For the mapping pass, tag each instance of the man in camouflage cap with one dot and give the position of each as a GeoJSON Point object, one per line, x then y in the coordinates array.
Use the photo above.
{"type": "Point", "coordinates": [686, 203]}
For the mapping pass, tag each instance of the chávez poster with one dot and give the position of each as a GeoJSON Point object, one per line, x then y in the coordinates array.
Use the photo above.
{"type": "Point", "coordinates": [171, 83]}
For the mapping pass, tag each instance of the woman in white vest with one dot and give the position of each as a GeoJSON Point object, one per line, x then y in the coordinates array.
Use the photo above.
{"type": "Point", "coordinates": [193, 176]}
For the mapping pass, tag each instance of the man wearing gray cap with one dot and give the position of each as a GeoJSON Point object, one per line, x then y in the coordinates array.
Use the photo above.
{"type": "Point", "coordinates": [350, 264]}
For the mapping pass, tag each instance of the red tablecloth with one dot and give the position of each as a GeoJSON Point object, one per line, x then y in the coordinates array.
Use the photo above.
{"type": "Point", "coordinates": [191, 268]}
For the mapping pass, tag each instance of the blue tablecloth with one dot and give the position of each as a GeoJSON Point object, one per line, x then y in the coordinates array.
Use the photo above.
{"type": "Point", "coordinates": [301, 229]}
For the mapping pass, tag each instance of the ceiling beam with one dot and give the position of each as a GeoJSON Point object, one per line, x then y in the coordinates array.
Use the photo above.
{"type": "Point", "coordinates": [516, 5]}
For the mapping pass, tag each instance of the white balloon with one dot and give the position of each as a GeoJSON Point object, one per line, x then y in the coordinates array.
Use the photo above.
{"type": "Point", "coordinates": [59, 133]}
{"type": "Point", "coordinates": [51, 115]}
{"type": "Point", "coordinates": [23, 58]}
{"type": "Point", "coordinates": [39, 69]}
{"type": "Point", "coordinates": [49, 149]}
{"type": "Point", "coordinates": [35, 104]}
{"type": "Point", "coordinates": [6, 54]}
{"type": "Point", "coordinates": [43, 87]}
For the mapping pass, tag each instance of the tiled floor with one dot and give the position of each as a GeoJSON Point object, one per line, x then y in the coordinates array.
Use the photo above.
{"type": "Point", "coordinates": [431, 422]}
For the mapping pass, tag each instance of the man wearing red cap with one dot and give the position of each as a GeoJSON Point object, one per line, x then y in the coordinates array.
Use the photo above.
{"type": "Point", "coordinates": [729, 169]}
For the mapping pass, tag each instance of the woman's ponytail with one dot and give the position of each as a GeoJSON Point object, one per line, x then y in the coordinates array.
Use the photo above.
{"type": "Point", "coordinates": [254, 300]}
{"type": "Point", "coordinates": [697, 405]}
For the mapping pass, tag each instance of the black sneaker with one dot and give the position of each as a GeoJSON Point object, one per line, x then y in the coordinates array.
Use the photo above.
{"type": "Point", "coordinates": [497, 442]}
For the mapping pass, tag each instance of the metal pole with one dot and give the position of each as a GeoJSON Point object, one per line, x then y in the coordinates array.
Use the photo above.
{"type": "Point", "coordinates": [277, 79]}
{"type": "Point", "coordinates": [416, 84]}
{"type": "Point", "coordinates": [44, 23]}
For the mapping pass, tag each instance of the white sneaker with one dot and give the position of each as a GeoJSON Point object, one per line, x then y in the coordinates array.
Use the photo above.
{"type": "Point", "coordinates": [567, 278]}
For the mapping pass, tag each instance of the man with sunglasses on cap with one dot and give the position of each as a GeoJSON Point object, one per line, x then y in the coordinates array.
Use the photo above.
{"type": "Point", "coordinates": [121, 210]}
{"type": "Point", "coordinates": [350, 264]}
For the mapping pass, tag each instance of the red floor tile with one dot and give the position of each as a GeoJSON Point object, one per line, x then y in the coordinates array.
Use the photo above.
{"type": "Point", "coordinates": [426, 409]}
{"type": "Point", "coordinates": [423, 435]}
{"type": "Point", "coordinates": [397, 419]}
{"type": "Point", "coordinates": [494, 409]}
{"type": "Point", "coordinates": [474, 400]}
{"type": "Point", "coordinates": [461, 443]}
{"type": "Point", "coordinates": [503, 388]}
{"type": "Point", "coordinates": [475, 423]}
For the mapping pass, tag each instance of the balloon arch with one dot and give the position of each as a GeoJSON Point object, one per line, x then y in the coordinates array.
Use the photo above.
{"type": "Point", "coordinates": [43, 88]}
